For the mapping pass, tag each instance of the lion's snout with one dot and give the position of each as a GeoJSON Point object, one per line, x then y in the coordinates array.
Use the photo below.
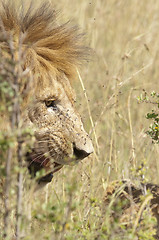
{"type": "Point", "coordinates": [82, 151]}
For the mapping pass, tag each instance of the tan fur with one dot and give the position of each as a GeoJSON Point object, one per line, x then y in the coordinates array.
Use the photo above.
{"type": "Point", "coordinates": [52, 53]}
{"type": "Point", "coordinates": [45, 41]}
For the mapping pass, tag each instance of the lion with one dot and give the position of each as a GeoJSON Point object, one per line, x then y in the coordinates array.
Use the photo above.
{"type": "Point", "coordinates": [128, 201]}
{"type": "Point", "coordinates": [52, 53]}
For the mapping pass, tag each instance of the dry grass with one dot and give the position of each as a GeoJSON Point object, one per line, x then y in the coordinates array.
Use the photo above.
{"type": "Point", "coordinates": [125, 37]}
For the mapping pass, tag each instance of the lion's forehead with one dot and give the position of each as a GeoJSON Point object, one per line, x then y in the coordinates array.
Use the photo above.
{"type": "Point", "coordinates": [54, 89]}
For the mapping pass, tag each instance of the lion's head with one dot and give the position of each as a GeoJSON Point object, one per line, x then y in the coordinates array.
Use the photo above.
{"type": "Point", "coordinates": [52, 53]}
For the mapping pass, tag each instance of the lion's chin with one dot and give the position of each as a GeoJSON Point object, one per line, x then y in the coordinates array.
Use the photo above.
{"type": "Point", "coordinates": [70, 161]}
{"type": "Point", "coordinates": [37, 162]}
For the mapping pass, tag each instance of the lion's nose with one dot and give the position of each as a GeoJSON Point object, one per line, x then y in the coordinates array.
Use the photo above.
{"type": "Point", "coordinates": [81, 153]}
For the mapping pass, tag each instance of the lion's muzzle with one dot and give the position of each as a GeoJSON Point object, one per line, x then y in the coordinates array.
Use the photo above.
{"type": "Point", "coordinates": [81, 152]}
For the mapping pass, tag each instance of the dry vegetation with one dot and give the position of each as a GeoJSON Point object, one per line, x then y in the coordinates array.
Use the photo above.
{"type": "Point", "coordinates": [125, 37]}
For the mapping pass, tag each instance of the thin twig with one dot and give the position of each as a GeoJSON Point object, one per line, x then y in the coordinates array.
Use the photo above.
{"type": "Point", "coordinates": [19, 190]}
{"type": "Point", "coordinates": [134, 74]}
{"type": "Point", "coordinates": [131, 131]}
{"type": "Point", "coordinates": [89, 111]}
{"type": "Point", "coordinates": [19, 157]}
{"type": "Point", "coordinates": [8, 177]}
{"type": "Point", "coordinates": [6, 193]}
{"type": "Point", "coordinates": [119, 87]}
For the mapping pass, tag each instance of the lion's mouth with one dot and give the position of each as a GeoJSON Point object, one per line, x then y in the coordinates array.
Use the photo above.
{"type": "Point", "coordinates": [37, 162]}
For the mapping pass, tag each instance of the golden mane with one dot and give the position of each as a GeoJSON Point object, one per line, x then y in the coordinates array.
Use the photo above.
{"type": "Point", "coordinates": [47, 45]}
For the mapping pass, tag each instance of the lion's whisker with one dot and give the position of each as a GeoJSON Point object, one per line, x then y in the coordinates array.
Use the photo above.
{"type": "Point", "coordinates": [37, 156]}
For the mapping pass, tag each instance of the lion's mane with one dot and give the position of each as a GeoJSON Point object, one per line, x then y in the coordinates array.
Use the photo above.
{"type": "Point", "coordinates": [47, 45]}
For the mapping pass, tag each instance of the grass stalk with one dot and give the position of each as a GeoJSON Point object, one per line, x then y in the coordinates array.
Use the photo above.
{"type": "Point", "coordinates": [6, 194]}
{"type": "Point", "coordinates": [89, 112]}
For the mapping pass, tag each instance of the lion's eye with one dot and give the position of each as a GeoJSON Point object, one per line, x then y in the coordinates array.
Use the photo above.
{"type": "Point", "coordinates": [51, 104]}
